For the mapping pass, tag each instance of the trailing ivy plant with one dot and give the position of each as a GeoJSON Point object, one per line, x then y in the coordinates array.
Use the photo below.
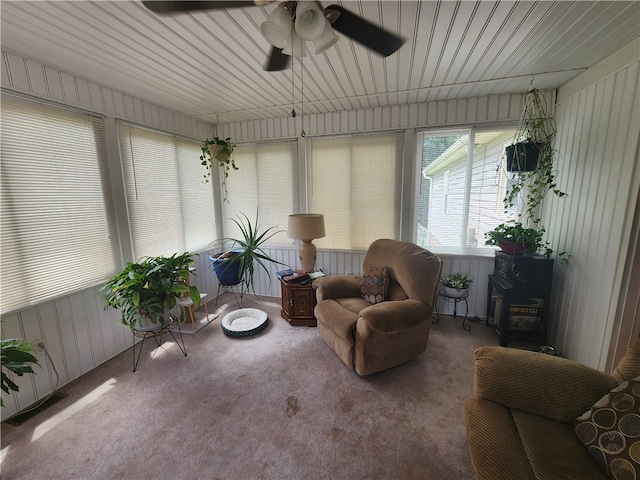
{"type": "Point", "coordinates": [221, 152]}
{"type": "Point", "coordinates": [538, 127]}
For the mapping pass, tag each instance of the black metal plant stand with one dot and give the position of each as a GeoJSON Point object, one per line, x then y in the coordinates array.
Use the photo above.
{"type": "Point", "coordinates": [157, 337]}
{"type": "Point", "coordinates": [230, 287]}
{"type": "Point", "coordinates": [455, 301]}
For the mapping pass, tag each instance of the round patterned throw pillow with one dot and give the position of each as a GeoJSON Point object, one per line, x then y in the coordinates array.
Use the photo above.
{"type": "Point", "coordinates": [611, 431]}
{"type": "Point", "coordinates": [375, 285]}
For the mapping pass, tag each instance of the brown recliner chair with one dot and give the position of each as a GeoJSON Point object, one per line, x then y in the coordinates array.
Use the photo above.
{"type": "Point", "coordinates": [373, 337]}
{"type": "Point", "coordinates": [520, 421]}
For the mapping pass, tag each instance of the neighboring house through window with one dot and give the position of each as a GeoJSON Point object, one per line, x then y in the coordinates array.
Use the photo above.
{"type": "Point", "coordinates": [460, 194]}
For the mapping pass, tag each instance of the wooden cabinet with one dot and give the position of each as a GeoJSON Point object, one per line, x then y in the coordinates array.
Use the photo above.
{"type": "Point", "coordinates": [518, 297]}
{"type": "Point", "coordinates": [298, 302]}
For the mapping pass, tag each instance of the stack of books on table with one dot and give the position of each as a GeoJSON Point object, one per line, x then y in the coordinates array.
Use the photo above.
{"type": "Point", "coordinates": [293, 276]}
{"type": "Point", "coordinates": [298, 276]}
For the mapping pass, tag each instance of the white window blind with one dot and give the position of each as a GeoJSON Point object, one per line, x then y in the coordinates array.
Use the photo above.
{"type": "Point", "coordinates": [170, 208]}
{"type": "Point", "coordinates": [355, 182]}
{"type": "Point", "coordinates": [263, 183]}
{"type": "Point", "coordinates": [58, 230]}
{"type": "Point", "coordinates": [460, 197]}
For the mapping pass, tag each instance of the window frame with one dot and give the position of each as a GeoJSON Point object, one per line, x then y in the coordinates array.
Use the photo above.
{"type": "Point", "coordinates": [472, 131]}
{"type": "Point", "coordinates": [183, 208]}
{"type": "Point", "coordinates": [85, 199]}
{"type": "Point", "coordinates": [398, 191]}
{"type": "Point", "coordinates": [229, 213]}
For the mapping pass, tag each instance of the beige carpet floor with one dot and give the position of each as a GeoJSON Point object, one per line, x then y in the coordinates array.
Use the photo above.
{"type": "Point", "coordinates": [277, 405]}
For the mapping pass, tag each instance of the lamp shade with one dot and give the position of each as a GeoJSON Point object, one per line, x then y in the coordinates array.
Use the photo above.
{"type": "Point", "coordinates": [306, 226]}
{"type": "Point", "coordinates": [309, 20]}
{"type": "Point", "coordinates": [277, 27]}
{"type": "Point", "coordinates": [327, 39]}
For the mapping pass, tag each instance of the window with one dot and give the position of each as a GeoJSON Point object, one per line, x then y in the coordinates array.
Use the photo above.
{"type": "Point", "coordinates": [460, 195]}
{"type": "Point", "coordinates": [265, 184]}
{"type": "Point", "coordinates": [170, 207]}
{"type": "Point", "coordinates": [58, 228]}
{"type": "Point", "coordinates": [355, 182]}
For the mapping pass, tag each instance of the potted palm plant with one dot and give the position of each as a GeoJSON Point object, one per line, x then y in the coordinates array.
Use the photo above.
{"type": "Point", "coordinates": [221, 152]}
{"type": "Point", "coordinates": [456, 285]}
{"type": "Point", "coordinates": [239, 260]}
{"type": "Point", "coordinates": [145, 291]}
{"type": "Point", "coordinates": [17, 357]}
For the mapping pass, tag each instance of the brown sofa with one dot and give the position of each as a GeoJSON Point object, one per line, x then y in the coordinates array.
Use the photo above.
{"type": "Point", "coordinates": [520, 420]}
{"type": "Point", "coordinates": [373, 337]}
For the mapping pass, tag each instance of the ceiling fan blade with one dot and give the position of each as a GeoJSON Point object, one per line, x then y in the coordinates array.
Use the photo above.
{"type": "Point", "coordinates": [277, 60]}
{"type": "Point", "coordinates": [187, 6]}
{"type": "Point", "coordinates": [363, 31]}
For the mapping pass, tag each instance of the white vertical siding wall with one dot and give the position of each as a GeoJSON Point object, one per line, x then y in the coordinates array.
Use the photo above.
{"type": "Point", "coordinates": [598, 129]}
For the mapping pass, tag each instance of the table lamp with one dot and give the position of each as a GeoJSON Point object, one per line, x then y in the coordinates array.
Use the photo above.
{"type": "Point", "coordinates": [306, 227]}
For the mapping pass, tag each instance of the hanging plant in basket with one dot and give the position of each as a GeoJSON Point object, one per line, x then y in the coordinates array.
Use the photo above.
{"type": "Point", "coordinates": [221, 152]}
{"type": "Point", "coordinates": [533, 140]}
{"type": "Point", "coordinates": [532, 157]}
{"type": "Point", "coordinates": [523, 156]}
{"type": "Point", "coordinates": [530, 161]}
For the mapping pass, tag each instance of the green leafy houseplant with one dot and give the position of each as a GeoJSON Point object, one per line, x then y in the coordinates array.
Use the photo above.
{"type": "Point", "coordinates": [247, 252]}
{"type": "Point", "coordinates": [17, 357]}
{"type": "Point", "coordinates": [144, 290]}
{"type": "Point", "coordinates": [535, 136]}
{"type": "Point", "coordinates": [537, 128]}
{"type": "Point", "coordinates": [515, 238]}
{"type": "Point", "coordinates": [220, 151]}
{"type": "Point", "coordinates": [459, 281]}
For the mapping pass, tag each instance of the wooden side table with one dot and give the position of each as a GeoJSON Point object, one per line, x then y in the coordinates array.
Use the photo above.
{"type": "Point", "coordinates": [298, 302]}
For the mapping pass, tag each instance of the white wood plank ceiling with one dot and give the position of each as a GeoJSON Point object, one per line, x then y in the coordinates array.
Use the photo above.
{"type": "Point", "coordinates": [210, 64]}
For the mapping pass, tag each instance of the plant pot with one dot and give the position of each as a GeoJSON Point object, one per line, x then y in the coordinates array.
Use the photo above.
{"type": "Point", "coordinates": [219, 154]}
{"type": "Point", "coordinates": [144, 324]}
{"type": "Point", "coordinates": [515, 248]}
{"type": "Point", "coordinates": [522, 157]}
{"type": "Point", "coordinates": [227, 270]}
{"type": "Point", "coordinates": [451, 292]}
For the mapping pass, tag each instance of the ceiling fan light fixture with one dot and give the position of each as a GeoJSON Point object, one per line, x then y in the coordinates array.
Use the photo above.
{"type": "Point", "coordinates": [310, 21]}
{"type": "Point", "coordinates": [277, 27]}
{"type": "Point", "coordinates": [295, 46]}
{"type": "Point", "coordinates": [327, 40]}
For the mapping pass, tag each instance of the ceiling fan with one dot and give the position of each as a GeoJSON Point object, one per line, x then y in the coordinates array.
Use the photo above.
{"type": "Point", "coordinates": [292, 23]}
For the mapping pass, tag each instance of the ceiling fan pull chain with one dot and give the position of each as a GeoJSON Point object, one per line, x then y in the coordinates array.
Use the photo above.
{"type": "Point", "coordinates": [302, 133]}
{"type": "Point", "coordinates": [293, 83]}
